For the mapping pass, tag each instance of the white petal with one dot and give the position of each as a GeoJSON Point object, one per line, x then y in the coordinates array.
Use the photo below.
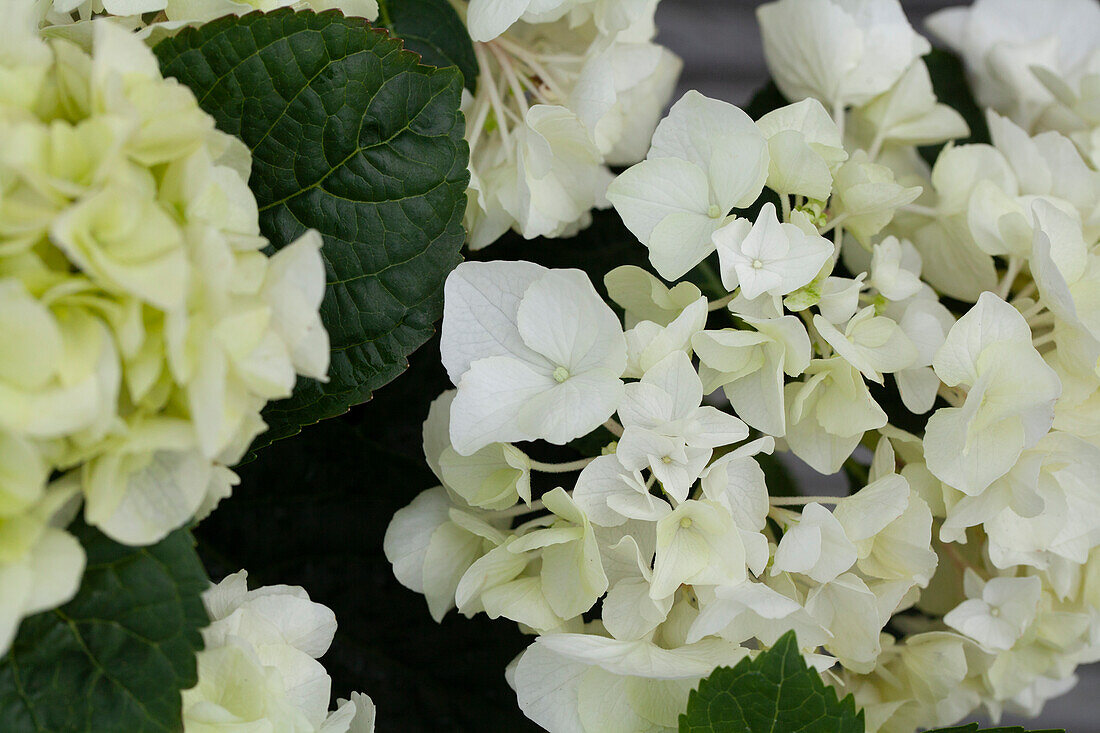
{"type": "Point", "coordinates": [481, 300]}
{"type": "Point", "coordinates": [493, 396]}
{"type": "Point", "coordinates": [720, 139]}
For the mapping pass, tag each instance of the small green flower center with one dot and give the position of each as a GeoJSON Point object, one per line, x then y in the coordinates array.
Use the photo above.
{"type": "Point", "coordinates": [757, 264]}
{"type": "Point", "coordinates": [666, 459]}
{"type": "Point", "coordinates": [561, 374]}
{"type": "Point", "coordinates": [714, 211]}
{"type": "Point", "coordinates": [994, 612]}
{"type": "Point", "coordinates": [686, 522]}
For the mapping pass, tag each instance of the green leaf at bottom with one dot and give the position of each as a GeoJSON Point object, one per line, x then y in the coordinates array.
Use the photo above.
{"type": "Point", "coordinates": [115, 658]}
{"type": "Point", "coordinates": [774, 692]}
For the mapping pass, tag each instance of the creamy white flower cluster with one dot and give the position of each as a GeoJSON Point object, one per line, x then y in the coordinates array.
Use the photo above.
{"type": "Point", "coordinates": [1036, 63]}
{"type": "Point", "coordinates": [142, 327]}
{"type": "Point", "coordinates": [963, 569]}
{"type": "Point", "coordinates": [566, 88]}
{"type": "Point", "coordinates": [259, 669]}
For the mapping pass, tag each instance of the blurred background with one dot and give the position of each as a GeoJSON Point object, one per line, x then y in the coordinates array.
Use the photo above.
{"type": "Point", "coordinates": [313, 512]}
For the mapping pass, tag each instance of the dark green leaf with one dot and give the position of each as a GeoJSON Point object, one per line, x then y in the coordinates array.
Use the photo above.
{"type": "Point", "coordinates": [973, 728]}
{"type": "Point", "coordinates": [115, 657]}
{"type": "Point", "coordinates": [774, 692]}
{"type": "Point", "coordinates": [432, 29]}
{"type": "Point", "coordinates": [351, 136]}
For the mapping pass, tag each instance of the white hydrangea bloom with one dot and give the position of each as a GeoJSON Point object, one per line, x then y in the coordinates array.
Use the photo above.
{"type": "Point", "coordinates": [697, 543]}
{"type": "Point", "coordinates": [867, 196]}
{"type": "Point", "coordinates": [998, 611]}
{"type": "Point", "coordinates": [558, 173]}
{"type": "Point", "coordinates": [151, 329]}
{"type": "Point", "coordinates": [895, 269]}
{"type": "Point", "coordinates": [487, 19]}
{"type": "Point", "coordinates": [542, 335]}
{"type": "Point", "coordinates": [890, 525]}
{"type": "Point", "coordinates": [1003, 41]}
{"type": "Point", "coordinates": [768, 256]}
{"type": "Point", "coordinates": [259, 667]}
{"type": "Point", "coordinates": [645, 298]}
{"type": "Point", "coordinates": [666, 429]}
{"type": "Point", "coordinates": [707, 158]}
{"type": "Point", "coordinates": [572, 573]}
{"type": "Point", "coordinates": [750, 367]}
{"type": "Point", "coordinates": [840, 52]}
{"type": "Point", "coordinates": [909, 114]}
{"type": "Point", "coordinates": [494, 477]}
{"type": "Point", "coordinates": [611, 494]}
{"type": "Point", "coordinates": [872, 344]}
{"type": "Point", "coordinates": [676, 545]}
{"type": "Point", "coordinates": [588, 684]}
{"type": "Point", "coordinates": [431, 544]}
{"type": "Point", "coordinates": [648, 343]}
{"type": "Point", "coordinates": [565, 88]}
{"type": "Point", "coordinates": [1009, 405]}
{"type": "Point", "coordinates": [755, 610]}
{"type": "Point", "coordinates": [828, 413]}
{"type": "Point", "coordinates": [804, 149]}
{"type": "Point", "coordinates": [817, 546]}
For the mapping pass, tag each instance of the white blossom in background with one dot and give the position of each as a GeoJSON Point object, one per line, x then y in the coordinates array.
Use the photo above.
{"type": "Point", "coordinates": [1021, 55]}
{"type": "Point", "coordinates": [565, 89]}
{"type": "Point", "coordinates": [606, 468]}
{"type": "Point", "coordinates": [840, 52]}
{"type": "Point", "coordinates": [145, 327]}
{"type": "Point", "coordinates": [259, 668]}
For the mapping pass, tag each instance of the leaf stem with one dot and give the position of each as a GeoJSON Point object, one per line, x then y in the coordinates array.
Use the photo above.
{"type": "Point", "coordinates": [1013, 269]}
{"type": "Point", "coordinates": [520, 509]}
{"type": "Point", "coordinates": [1043, 340]}
{"type": "Point", "coordinates": [721, 303]}
{"type": "Point", "coordinates": [838, 220]}
{"type": "Point", "coordinates": [499, 110]}
{"type": "Point", "coordinates": [1033, 311]}
{"type": "Point", "coordinates": [561, 467]}
{"type": "Point", "coordinates": [801, 500]}
{"type": "Point", "coordinates": [1025, 291]}
{"type": "Point", "coordinates": [919, 210]}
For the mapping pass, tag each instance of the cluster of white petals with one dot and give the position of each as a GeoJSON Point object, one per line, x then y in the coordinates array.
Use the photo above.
{"type": "Point", "coordinates": [566, 88]}
{"type": "Point", "coordinates": [1037, 63]}
{"type": "Point", "coordinates": [259, 669]}
{"type": "Point", "coordinates": [143, 327]}
{"type": "Point", "coordinates": [854, 291]}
